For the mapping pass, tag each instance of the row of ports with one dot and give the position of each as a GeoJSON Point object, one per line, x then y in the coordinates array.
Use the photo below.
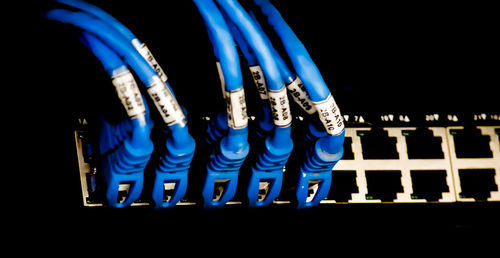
{"type": "Point", "coordinates": [443, 164]}
{"type": "Point", "coordinates": [422, 143]}
{"type": "Point", "coordinates": [434, 164]}
{"type": "Point", "coordinates": [425, 186]}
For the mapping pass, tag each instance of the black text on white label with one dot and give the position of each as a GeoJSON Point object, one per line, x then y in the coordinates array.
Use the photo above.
{"type": "Point", "coordinates": [259, 80]}
{"type": "Point", "coordinates": [280, 107]}
{"type": "Point", "coordinates": [330, 116]}
{"type": "Point", "coordinates": [165, 102]}
{"type": "Point", "coordinates": [236, 109]}
{"type": "Point", "coordinates": [146, 53]}
{"type": "Point", "coordinates": [129, 94]}
{"type": "Point", "coordinates": [299, 94]}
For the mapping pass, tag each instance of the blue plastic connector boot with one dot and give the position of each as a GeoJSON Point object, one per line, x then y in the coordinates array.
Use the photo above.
{"type": "Point", "coordinates": [162, 179]}
{"type": "Point", "coordinates": [125, 165]}
{"type": "Point", "coordinates": [324, 180]}
{"type": "Point", "coordinates": [214, 176]}
{"type": "Point", "coordinates": [321, 158]}
{"type": "Point", "coordinates": [223, 167]}
{"type": "Point", "coordinates": [274, 181]}
{"type": "Point", "coordinates": [217, 128]}
{"type": "Point", "coordinates": [174, 168]}
{"type": "Point", "coordinates": [315, 130]}
{"type": "Point", "coordinates": [269, 168]}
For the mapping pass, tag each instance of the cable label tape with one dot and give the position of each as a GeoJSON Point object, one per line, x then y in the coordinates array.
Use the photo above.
{"type": "Point", "coordinates": [236, 106]}
{"type": "Point", "coordinates": [222, 80]}
{"type": "Point", "coordinates": [280, 107]}
{"type": "Point", "coordinates": [300, 95]}
{"type": "Point", "coordinates": [144, 51]}
{"type": "Point", "coordinates": [330, 116]}
{"type": "Point", "coordinates": [165, 102]}
{"type": "Point", "coordinates": [129, 94]}
{"type": "Point", "coordinates": [259, 80]}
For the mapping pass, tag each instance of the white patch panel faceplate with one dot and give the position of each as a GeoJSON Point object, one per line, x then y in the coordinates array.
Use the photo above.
{"type": "Point", "coordinates": [450, 164]}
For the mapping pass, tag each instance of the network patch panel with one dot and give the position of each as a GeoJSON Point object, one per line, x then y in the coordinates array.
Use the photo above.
{"type": "Point", "coordinates": [403, 159]}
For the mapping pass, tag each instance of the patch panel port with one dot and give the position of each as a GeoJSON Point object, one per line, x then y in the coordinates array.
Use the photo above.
{"type": "Point", "coordinates": [471, 143]}
{"type": "Point", "coordinates": [428, 184]}
{"type": "Point", "coordinates": [422, 144]}
{"type": "Point", "coordinates": [348, 153]}
{"type": "Point", "coordinates": [477, 183]}
{"type": "Point", "coordinates": [376, 144]}
{"type": "Point", "coordinates": [383, 184]}
{"type": "Point", "coordinates": [343, 185]}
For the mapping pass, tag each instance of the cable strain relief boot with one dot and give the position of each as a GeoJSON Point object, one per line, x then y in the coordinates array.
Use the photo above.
{"type": "Point", "coordinates": [315, 129]}
{"type": "Point", "coordinates": [217, 128]}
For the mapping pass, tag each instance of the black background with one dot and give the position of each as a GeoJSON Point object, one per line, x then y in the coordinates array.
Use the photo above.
{"type": "Point", "coordinates": [374, 56]}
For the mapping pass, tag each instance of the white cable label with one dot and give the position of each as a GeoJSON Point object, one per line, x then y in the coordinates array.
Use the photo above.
{"type": "Point", "coordinates": [236, 109]}
{"type": "Point", "coordinates": [221, 78]}
{"type": "Point", "coordinates": [129, 94]}
{"type": "Point", "coordinates": [280, 107]}
{"type": "Point", "coordinates": [260, 81]}
{"type": "Point", "coordinates": [329, 114]}
{"type": "Point", "coordinates": [165, 102]}
{"type": "Point", "coordinates": [144, 51]}
{"type": "Point", "coordinates": [300, 95]}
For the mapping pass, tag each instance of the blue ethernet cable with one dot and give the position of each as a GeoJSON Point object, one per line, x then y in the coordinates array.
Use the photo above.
{"type": "Point", "coordinates": [266, 122]}
{"type": "Point", "coordinates": [229, 137]}
{"type": "Point", "coordinates": [174, 165]}
{"type": "Point", "coordinates": [294, 84]}
{"type": "Point", "coordinates": [326, 148]}
{"type": "Point", "coordinates": [122, 29]}
{"type": "Point", "coordinates": [180, 144]}
{"type": "Point", "coordinates": [127, 149]}
{"type": "Point", "coordinates": [278, 145]}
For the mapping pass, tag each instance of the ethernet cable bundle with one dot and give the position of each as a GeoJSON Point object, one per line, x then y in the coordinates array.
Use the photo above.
{"type": "Point", "coordinates": [126, 147]}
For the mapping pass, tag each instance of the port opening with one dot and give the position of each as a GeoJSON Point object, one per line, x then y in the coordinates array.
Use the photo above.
{"type": "Point", "coordinates": [169, 189]}
{"type": "Point", "coordinates": [220, 186]}
{"type": "Point", "coordinates": [264, 187]}
{"type": "Point", "coordinates": [376, 144]}
{"type": "Point", "coordinates": [429, 184]}
{"type": "Point", "coordinates": [477, 183]}
{"type": "Point", "coordinates": [470, 143]}
{"type": "Point", "coordinates": [348, 153]}
{"type": "Point", "coordinates": [422, 144]}
{"type": "Point", "coordinates": [313, 189]}
{"type": "Point", "coordinates": [343, 185]}
{"type": "Point", "coordinates": [123, 191]}
{"type": "Point", "coordinates": [383, 184]}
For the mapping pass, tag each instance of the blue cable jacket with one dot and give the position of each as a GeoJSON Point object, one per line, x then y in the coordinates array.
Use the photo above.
{"type": "Point", "coordinates": [245, 48]}
{"type": "Point", "coordinates": [101, 14]}
{"type": "Point", "coordinates": [109, 59]}
{"type": "Point", "coordinates": [110, 37]}
{"type": "Point", "coordinates": [251, 33]}
{"type": "Point", "coordinates": [286, 73]}
{"type": "Point", "coordinates": [113, 64]}
{"type": "Point", "coordinates": [223, 43]}
{"type": "Point", "coordinates": [302, 62]}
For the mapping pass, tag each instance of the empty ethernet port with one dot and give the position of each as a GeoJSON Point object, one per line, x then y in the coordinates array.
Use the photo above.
{"type": "Point", "coordinates": [383, 184]}
{"type": "Point", "coordinates": [348, 154]}
{"type": "Point", "coordinates": [429, 184]}
{"type": "Point", "coordinates": [343, 185]}
{"type": "Point", "coordinates": [470, 143]}
{"type": "Point", "coordinates": [422, 144]}
{"type": "Point", "coordinates": [377, 144]}
{"type": "Point", "coordinates": [477, 183]}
